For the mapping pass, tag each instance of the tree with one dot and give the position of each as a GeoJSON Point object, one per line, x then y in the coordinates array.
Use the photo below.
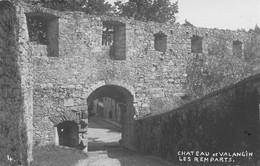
{"type": "Point", "coordinates": [257, 29]}
{"type": "Point", "coordinates": [62, 5]}
{"type": "Point", "coordinates": [148, 10]}
{"type": "Point", "coordinates": [144, 10]}
{"type": "Point", "coordinates": [97, 7]}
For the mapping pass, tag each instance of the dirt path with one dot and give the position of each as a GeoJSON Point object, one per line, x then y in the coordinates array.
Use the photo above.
{"type": "Point", "coordinates": [120, 157]}
{"type": "Point", "coordinates": [104, 150]}
{"type": "Point", "coordinates": [102, 134]}
{"type": "Point", "coordinates": [111, 156]}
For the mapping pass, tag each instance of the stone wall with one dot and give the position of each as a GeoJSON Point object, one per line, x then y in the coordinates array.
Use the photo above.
{"type": "Point", "coordinates": [73, 66]}
{"type": "Point", "coordinates": [224, 121]}
{"type": "Point", "coordinates": [15, 89]}
{"type": "Point", "coordinates": [156, 78]}
{"type": "Point", "coordinates": [26, 72]}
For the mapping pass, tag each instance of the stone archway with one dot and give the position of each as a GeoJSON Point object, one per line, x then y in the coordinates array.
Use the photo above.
{"type": "Point", "coordinates": [125, 97]}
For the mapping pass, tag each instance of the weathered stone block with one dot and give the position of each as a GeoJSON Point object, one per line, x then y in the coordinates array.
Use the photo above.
{"type": "Point", "coordinates": [158, 94]}
{"type": "Point", "coordinates": [96, 49]}
{"type": "Point", "coordinates": [68, 102]}
{"type": "Point", "coordinates": [145, 105]}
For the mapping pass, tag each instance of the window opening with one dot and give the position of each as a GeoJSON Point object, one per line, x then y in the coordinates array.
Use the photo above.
{"type": "Point", "coordinates": [37, 28]}
{"type": "Point", "coordinates": [114, 35]}
{"type": "Point", "coordinates": [237, 48]}
{"type": "Point", "coordinates": [196, 44]}
{"type": "Point", "coordinates": [160, 42]}
{"type": "Point", "coordinates": [43, 29]}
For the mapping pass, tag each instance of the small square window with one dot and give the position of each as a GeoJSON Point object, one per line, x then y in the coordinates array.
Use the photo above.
{"type": "Point", "coordinates": [43, 29]}
{"type": "Point", "coordinates": [114, 35]}
{"type": "Point", "coordinates": [196, 44]}
{"type": "Point", "coordinates": [160, 42]}
{"type": "Point", "coordinates": [37, 28]}
{"type": "Point", "coordinates": [237, 48]}
{"type": "Point", "coordinates": [108, 35]}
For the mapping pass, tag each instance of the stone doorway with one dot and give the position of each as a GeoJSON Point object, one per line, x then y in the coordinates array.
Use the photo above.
{"type": "Point", "coordinates": [68, 134]}
{"type": "Point", "coordinates": [124, 98]}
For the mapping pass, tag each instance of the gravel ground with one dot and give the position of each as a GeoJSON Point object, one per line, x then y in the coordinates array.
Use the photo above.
{"type": "Point", "coordinates": [104, 150]}
{"type": "Point", "coordinates": [110, 156]}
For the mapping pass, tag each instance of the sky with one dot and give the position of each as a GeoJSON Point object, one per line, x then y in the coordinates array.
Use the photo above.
{"type": "Point", "coordinates": [222, 14]}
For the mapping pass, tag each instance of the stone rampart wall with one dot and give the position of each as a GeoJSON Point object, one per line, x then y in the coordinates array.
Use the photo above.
{"type": "Point", "coordinates": [15, 89]}
{"type": "Point", "coordinates": [224, 121]}
{"type": "Point", "coordinates": [75, 61]}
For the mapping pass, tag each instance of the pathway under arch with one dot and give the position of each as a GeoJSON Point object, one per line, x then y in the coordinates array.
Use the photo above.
{"type": "Point", "coordinates": [125, 99]}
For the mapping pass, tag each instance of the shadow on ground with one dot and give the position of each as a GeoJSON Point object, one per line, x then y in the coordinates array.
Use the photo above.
{"type": "Point", "coordinates": [117, 156]}
{"type": "Point", "coordinates": [95, 145]}
{"type": "Point", "coordinates": [104, 150]}
{"type": "Point", "coordinates": [107, 155]}
{"type": "Point", "coordinates": [102, 134]}
{"type": "Point", "coordinates": [56, 156]}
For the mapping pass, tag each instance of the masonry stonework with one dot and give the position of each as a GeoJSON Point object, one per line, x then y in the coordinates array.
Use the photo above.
{"type": "Point", "coordinates": [16, 130]}
{"type": "Point", "coordinates": [143, 72]}
{"type": "Point", "coordinates": [224, 121]}
{"type": "Point", "coordinates": [155, 77]}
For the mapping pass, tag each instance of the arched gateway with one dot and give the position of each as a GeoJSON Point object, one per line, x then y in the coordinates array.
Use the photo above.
{"type": "Point", "coordinates": [125, 100]}
{"type": "Point", "coordinates": [70, 128]}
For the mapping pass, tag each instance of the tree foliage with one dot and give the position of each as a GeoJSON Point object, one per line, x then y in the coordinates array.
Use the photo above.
{"type": "Point", "coordinates": [256, 30]}
{"type": "Point", "coordinates": [97, 7]}
{"type": "Point", "coordinates": [148, 10]}
{"type": "Point", "coordinates": [145, 10]}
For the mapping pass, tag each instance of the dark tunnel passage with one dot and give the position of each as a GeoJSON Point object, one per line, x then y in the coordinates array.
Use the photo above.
{"type": "Point", "coordinates": [110, 110]}
{"type": "Point", "coordinates": [68, 134]}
